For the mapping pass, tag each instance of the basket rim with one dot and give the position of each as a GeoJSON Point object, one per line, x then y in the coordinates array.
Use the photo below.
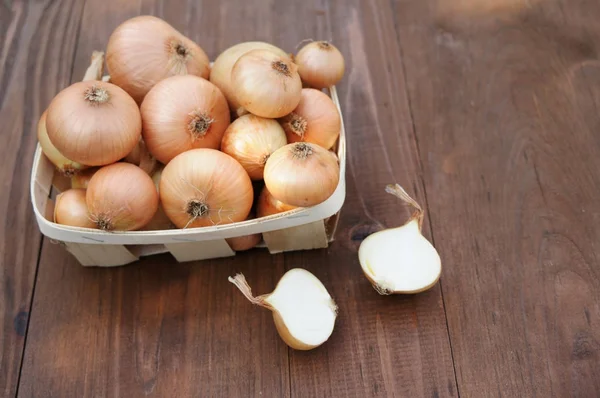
{"type": "Point", "coordinates": [291, 218]}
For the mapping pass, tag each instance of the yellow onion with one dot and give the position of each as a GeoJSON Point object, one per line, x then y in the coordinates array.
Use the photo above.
{"type": "Point", "coordinates": [316, 120]}
{"type": "Point", "coordinates": [266, 84]}
{"type": "Point", "coordinates": [64, 165]}
{"type": "Point", "coordinates": [303, 310]}
{"type": "Point", "coordinates": [71, 209]}
{"type": "Point", "coordinates": [182, 113]}
{"type": "Point", "coordinates": [267, 205]}
{"type": "Point", "coordinates": [121, 197]}
{"type": "Point", "coordinates": [302, 174]}
{"type": "Point", "coordinates": [320, 64]}
{"type": "Point", "coordinates": [220, 73]}
{"type": "Point", "coordinates": [82, 179]}
{"type": "Point", "coordinates": [246, 242]}
{"type": "Point", "coordinates": [251, 140]}
{"type": "Point", "coordinates": [204, 187]}
{"type": "Point", "coordinates": [145, 50]}
{"type": "Point", "coordinates": [94, 123]}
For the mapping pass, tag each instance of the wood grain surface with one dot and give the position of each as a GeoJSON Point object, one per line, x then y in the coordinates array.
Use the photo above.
{"type": "Point", "coordinates": [504, 97]}
{"type": "Point", "coordinates": [37, 43]}
{"type": "Point", "coordinates": [485, 111]}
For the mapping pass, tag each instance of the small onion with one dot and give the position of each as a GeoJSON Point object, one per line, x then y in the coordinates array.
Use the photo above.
{"type": "Point", "coordinates": [64, 165]}
{"type": "Point", "coordinates": [220, 73]}
{"type": "Point", "coordinates": [320, 64]}
{"type": "Point", "coordinates": [182, 113]}
{"type": "Point", "coordinates": [94, 123]}
{"type": "Point", "coordinates": [316, 120]}
{"type": "Point", "coordinates": [267, 205]}
{"type": "Point", "coordinates": [251, 140]}
{"type": "Point", "coordinates": [266, 84]}
{"type": "Point", "coordinates": [82, 179]}
{"type": "Point", "coordinates": [71, 209]}
{"type": "Point", "coordinates": [302, 174]}
{"type": "Point", "coordinates": [247, 242]}
{"type": "Point", "coordinates": [121, 197]}
{"type": "Point", "coordinates": [145, 50]}
{"type": "Point", "coordinates": [204, 187]}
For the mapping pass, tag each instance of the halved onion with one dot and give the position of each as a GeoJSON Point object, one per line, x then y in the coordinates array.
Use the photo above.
{"type": "Point", "coordinates": [145, 50]}
{"type": "Point", "coordinates": [204, 187]}
{"type": "Point", "coordinates": [251, 140]}
{"type": "Point", "coordinates": [182, 113]}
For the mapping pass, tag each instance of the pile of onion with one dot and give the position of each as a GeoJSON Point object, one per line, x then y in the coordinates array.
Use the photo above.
{"type": "Point", "coordinates": [152, 146]}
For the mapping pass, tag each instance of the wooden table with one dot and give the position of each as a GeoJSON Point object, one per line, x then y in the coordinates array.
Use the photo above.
{"type": "Point", "coordinates": [487, 111]}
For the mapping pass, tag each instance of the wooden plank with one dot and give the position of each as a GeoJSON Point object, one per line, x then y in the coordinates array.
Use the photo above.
{"type": "Point", "coordinates": [505, 102]}
{"type": "Point", "coordinates": [302, 237]}
{"type": "Point", "coordinates": [381, 346]}
{"type": "Point", "coordinates": [192, 251]}
{"type": "Point", "coordinates": [37, 42]}
{"type": "Point", "coordinates": [156, 327]}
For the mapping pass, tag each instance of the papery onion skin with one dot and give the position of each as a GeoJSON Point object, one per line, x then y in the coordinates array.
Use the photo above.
{"type": "Point", "coordinates": [302, 174]}
{"type": "Point", "coordinates": [64, 165]}
{"type": "Point", "coordinates": [71, 209]}
{"type": "Point", "coordinates": [94, 123]}
{"type": "Point", "coordinates": [250, 140]}
{"type": "Point", "coordinates": [145, 50]}
{"type": "Point", "coordinates": [315, 119]}
{"type": "Point", "coordinates": [141, 157]}
{"type": "Point", "coordinates": [220, 73]}
{"type": "Point", "coordinates": [267, 205]}
{"type": "Point", "coordinates": [182, 113]}
{"type": "Point", "coordinates": [266, 84]}
{"type": "Point", "coordinates": [320, 64]}
{"type": "Point", "coordinates": [121, 197]}
{"type": "Point", "coordinates": [205, 187]}
{"type": "Point", "coordinates": [82, 179]}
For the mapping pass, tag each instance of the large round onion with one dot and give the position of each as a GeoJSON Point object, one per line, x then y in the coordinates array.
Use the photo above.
{"type": "Point", "coordinates": [316, 120]}
{"type": "Point", "coordinates": [182, 113]}
{"type": "Point", "coordinates": [204, 187]}
{"type": "Point", "coordinates": [94, 123]}
{"type": "Point", "coordinates": [220, 74]}
{"type": "Point", "coordinates": [121, 197]}
{"type": "Point", "coordinates": [302, 174]}
{"type": "Point", "coordinates": [266, 84]}
{"type": "Point", "coordinates": [144, 50]}
{"type": "Point", "coordinates": [251, 140]}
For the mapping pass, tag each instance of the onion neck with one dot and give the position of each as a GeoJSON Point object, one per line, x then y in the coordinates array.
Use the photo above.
{"type": "Point", "coordinates": [282, 68]}
{"type": "Point", "coordinates": [103, 223]}
{"type": "Point", "coordinates": [96, 95]}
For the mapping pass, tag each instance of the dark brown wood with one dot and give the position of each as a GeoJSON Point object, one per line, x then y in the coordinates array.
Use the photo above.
{"type": "Point", "coordinates": [381, 346]}
{"type": "Point", "coordinates": [37, 42]}
{"type": "Point", "coordinates": [504, 97]}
